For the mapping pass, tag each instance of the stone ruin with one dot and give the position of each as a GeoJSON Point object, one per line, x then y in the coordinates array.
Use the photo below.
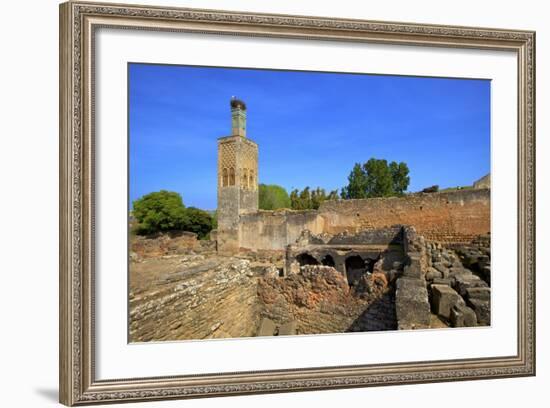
{"type": "Point", "coordinates": [353, 255]}
{"type": "Point", "coordinates": [340, 268]}
{"type": "Point", "coordinates": [431, 284]}
{"type": "Point", "coordinates": [374, 280]}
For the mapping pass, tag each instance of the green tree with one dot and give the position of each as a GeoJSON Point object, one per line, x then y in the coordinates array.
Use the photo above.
{"type": "Point", "coordinates": [159, 211]}
{"type": "Point", "coordinates": [300, 200]}
{"type": "Point", "coordinates": [400, 177]}
{"type": "Point", "coordinates": [273, 197]}
{"type": "Point", "coordinates": [333, 195]}
{"type": "Point", "coordinates": [164, 211]}
{"type": "Point", "coordinates": [294, 199]}
{"type": "Point", "coordinates": [357, 184]}
{"type": "Point", "coordinates": [310, 199]}
{"type": "Point", "coordinates": [377, 178]}
{"type": "Point", "coordinates": [317, 197]}
{"type": "Point", "coordinates": [198, 221]}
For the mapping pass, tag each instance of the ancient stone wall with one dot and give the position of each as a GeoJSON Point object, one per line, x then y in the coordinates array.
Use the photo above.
{"type": "Point", "coordinates": [274, 230]}
{"type": "Point", "coordinates": [162, 244]}
{"type": "Point", "coordinates": [318, 299]}
{"type": "Point", "coordinates": [456, 216]}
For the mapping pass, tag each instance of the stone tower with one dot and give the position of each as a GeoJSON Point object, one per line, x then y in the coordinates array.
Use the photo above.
{"type": "Point", "coordinates": [237, 179]}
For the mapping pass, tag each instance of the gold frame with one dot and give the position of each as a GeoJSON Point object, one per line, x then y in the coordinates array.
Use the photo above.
{"type": "Point", "coordinates": [78, 21]}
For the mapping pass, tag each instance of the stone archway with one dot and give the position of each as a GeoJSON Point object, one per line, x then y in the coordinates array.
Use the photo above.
{"type": "Point", "coordinates": [355, 268]}
{"type": "Point", "coordinates": [306, 259]}
{"type": "Point", "coordinates": [328, 260]}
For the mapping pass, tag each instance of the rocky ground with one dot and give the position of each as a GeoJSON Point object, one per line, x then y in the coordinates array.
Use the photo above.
{"type": "Point", "coordinates": [459, 279]}
{"type": "Point", "coordinates": [181, 289]}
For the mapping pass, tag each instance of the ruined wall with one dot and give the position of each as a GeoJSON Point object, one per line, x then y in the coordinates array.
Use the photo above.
{"type": "Point", "coordinates": [452, 217]}
{"type": "Point", "coordinates": [161, 244]}
{"type": "Point", "coordinates": [275, 230]}
{"type": "Point", "coordinates": [456, 216]}
{"type": "Point", "coordinates": [318, 299]}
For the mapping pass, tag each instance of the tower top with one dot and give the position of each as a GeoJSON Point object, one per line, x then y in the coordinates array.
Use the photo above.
{"type": "Point", "coordinates": [238, 117]}
{"type": "Point", "coordinates": [237, 103]}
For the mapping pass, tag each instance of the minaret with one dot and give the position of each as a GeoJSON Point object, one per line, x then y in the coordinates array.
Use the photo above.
{"type": "Point", "coordinates": [237, 179]}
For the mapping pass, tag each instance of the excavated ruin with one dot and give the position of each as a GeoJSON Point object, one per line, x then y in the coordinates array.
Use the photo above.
{"type": "Point", "coordinates": [382, 279]}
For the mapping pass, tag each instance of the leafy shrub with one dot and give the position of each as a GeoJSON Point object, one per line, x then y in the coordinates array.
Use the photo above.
{"type": "Point", "coordinates": [163, 211]}
{"type": "Point", "coordinates": [273, 197]}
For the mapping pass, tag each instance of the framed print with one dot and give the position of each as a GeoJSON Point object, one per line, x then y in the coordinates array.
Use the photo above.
{"type": "Point", "coordinates": [256, 203]}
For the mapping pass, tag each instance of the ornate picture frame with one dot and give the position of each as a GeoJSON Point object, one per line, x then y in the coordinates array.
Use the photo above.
{"type": "Point", "coordinates": [78, 24]}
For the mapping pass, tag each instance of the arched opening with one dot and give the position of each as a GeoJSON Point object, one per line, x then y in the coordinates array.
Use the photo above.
{"type": "Point", "coordinates": [355, 268]}
{"type": "Point", "coordinates": [231, 176]}
{"type": "Point", "coordinates": [225, 178]}
{"type": "Point", "coordinates": [306, 259]}
{"type": "Point", "coordinates": [244, 178]}
{"type": "Point", "coordinates": [328, 260]}
{"type": "Point", "coordinates": [251, 179]}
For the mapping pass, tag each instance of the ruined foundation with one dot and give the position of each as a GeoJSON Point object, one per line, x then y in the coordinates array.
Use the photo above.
{"type": "Point", "coordinates": [382, 279]}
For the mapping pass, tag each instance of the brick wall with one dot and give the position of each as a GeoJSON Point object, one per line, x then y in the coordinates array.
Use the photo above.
{"type": "Point", "coordinates": [456, 216]}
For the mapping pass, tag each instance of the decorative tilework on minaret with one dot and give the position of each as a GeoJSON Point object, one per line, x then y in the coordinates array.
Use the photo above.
{"type": "Point", "coordinates": [237, 178]}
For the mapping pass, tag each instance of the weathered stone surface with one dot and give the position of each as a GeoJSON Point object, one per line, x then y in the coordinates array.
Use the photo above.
{"type": "Point", "coordinates": [288, 329]}
{"type": "Point", "coordinates": [412, 271]}
{"type": "Point", "coordinates": [163, 244]}
{"type": "Point", "coordinates": [294, 268]}
{"type": "Point", "coordinates": [192, 297]}
{"type": "Point", "coordinates": [319, 300]}
{"type": "Point", "coordinates": [482, 293]}
{"type": "Point", "coordinates": [411, 304]}
{"type": "Point", "coordinates": [443, 300]}
{"type": "Point", "coordinates": [443, 281]}
{"type": "Point", "coordinates": [433, 274]}
{"type": "Point", "coordinates": [441, 268]}
{"type": "Point", "coordinates": [465, 281]}
{"type": "Point", "coordinates": [477, 257]}
{"type": "Point", "coordinates": [482, 308]}
{"type": "Point", "coordinates": [267, 327]}
{"type": "Point", "coordinates": [485, 273]}
{"type": "Point", "coordinates": [459, 271]}
{"type": "Point", "coordinates": [463, 316]}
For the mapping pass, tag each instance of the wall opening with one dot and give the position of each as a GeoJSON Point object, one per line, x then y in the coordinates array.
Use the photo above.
{"type": "Point", "coordinates": [355, 268]}
{"type": "Point", "coordinates": [306, 259]}
{"type": "Point", "coordinates": [225, 178]}
{"type": "Point", "coordinates": [328, 260]}
{"type": "Point", "coordinates": [251, 179]}
{"type": "Point", "coordinates": [231, 176]}
{"type": "Point", "coordinates": [244, 178]}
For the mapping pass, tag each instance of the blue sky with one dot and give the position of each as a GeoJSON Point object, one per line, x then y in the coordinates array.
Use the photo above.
{"type": "Point", "coordinates": [310, 127]}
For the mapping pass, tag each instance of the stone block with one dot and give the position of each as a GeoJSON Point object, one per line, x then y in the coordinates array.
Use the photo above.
{"type": "Point", "coordinates": [288, 329]}
{"type": "Point", "coordinates": [443, 281]}
{"type": "Point", "coordinates": [457, 264]}
{"type": "Point", "coordinates": [411, 304]}
{"type": "Point", "coordinates": [463, 316]}
{"type": "Point", "coordinates": [267, 327]}
{"type": "Point", "coordinates": [459, 271]}
{"type": "Point", "coordinates": [485, 273]}
{"type": "Point", "coordinates": [465, 281]}
{"type": "Point", "coordinates": [433, 274]}
{"type": "Point", "coordinates": [413, 268]}
{"type": "Point", "coordinates": [482, 293]}
{"type": "Point", "coordinates": [440, 267]}
{"type": "Point", "coordinates": [443, 300]}
{"type": "Point", "coordinates": [482, 308]}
